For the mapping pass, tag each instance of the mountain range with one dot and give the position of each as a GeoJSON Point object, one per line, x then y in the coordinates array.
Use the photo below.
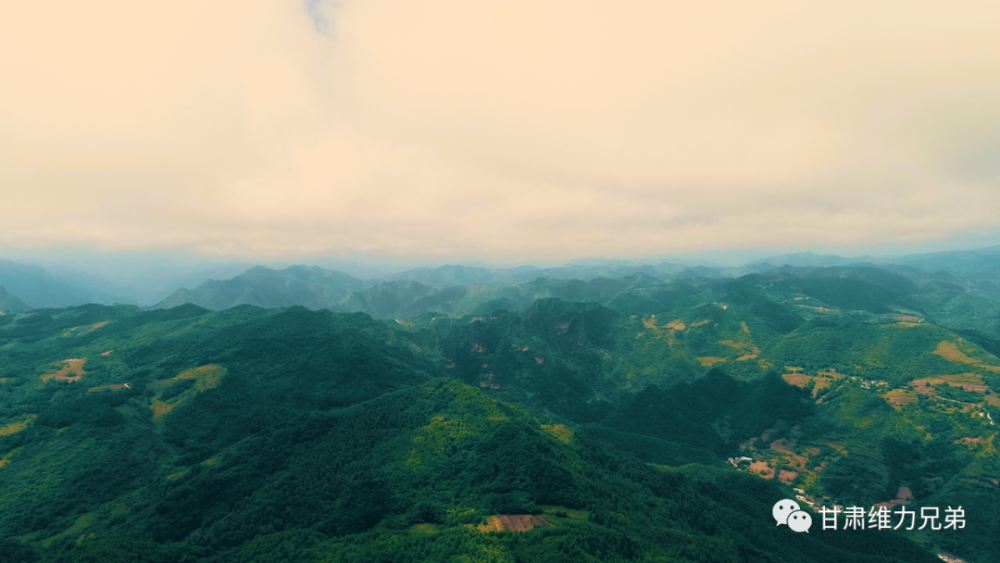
{"type": "Point", "coordinates": [628, 418]}
{"type": "Point", "coordinates": [325, 288]}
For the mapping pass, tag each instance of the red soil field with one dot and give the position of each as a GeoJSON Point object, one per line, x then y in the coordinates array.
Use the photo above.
{"type": "Point", "coordinates": [518, 522]}
{"type": "Point", "coordinates": [797, 379]}
{"type": "Point", "coordinates": [787, 477]}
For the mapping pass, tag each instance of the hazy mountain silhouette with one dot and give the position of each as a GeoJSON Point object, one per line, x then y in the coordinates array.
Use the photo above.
{"type": "Point", "coordinates": [11, 304]}
{"type": "Point", "coordinates": [311, 287]}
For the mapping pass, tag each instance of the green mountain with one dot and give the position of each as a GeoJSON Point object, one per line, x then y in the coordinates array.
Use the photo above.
{"type": "Point", "coordinates": [584, 270]}
{"type": "Point", "coordinates": [553, 419]}
{"type": "Point", "coordinates": [451, 275]}
{"type": "Point", "coordinates": [289, 434]}
{"type": "Point", "coordinates": [311, 287]}
{"type": "Point", "coordinates": [888, 400]}
{"type": "Point", "coordinates": [811, 259]}
{"type": "Point", "coordinates": [979, 263]}
{"type": "Point", "coordinates": [385, 299]}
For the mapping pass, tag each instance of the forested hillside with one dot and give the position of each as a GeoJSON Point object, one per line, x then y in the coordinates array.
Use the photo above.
{"type": "Point", "coordinates": [598, 426]}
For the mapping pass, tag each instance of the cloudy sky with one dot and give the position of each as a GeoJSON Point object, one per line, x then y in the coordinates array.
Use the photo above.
{"type": "Point", "coordinates": [499, 131]}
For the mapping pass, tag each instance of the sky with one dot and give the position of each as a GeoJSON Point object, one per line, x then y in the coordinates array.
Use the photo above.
{"type": "Point", "coordinates": [503, 132]}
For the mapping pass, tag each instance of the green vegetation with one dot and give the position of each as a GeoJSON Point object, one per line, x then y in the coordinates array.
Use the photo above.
{"type": "Point", "coordinates": [252, 434]}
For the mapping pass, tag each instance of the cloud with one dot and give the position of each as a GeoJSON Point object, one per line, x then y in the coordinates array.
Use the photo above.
{"type": "Point", "coordinates": [515, 130]}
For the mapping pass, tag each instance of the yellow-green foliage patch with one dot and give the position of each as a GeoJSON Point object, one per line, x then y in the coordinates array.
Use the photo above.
{"type": "Point", "coordinates": [423, 530]}
{"type": "Point", "coordinates": [80, 330]}
{"type": "Point", "coordinates": [560, 432]}
{"type": "Point", "coordinates": [213, 461]}
{"type": "Point", "coordinates": [178, 475]}
{"type": "Point", "coordinates": [6, 459]}
{"type": "Point", "coordinates": [453, 425]}
{"type": "Point", "coordinates": [950, 352]}
{"type": "Point", "coordinates": [206, 377]}
{"type": "Point", "coordinates": [823, 310]}
{"type": "Point", "coordinates": [102, 388]}
{"type": "Point", "coordinates": [709, 361]}
{"type": "Point", "coordinates": [960, 352]}
{"type": "Point", "coordinates": [81, 524]}
{"type": "Point", "coordinates": [432, 439]}
{"type": "Point", "coordinates": [17, 425]}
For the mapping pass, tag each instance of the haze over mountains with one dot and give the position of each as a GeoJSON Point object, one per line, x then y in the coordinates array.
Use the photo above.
{"type": "Point", "coordinates": [460, 289]}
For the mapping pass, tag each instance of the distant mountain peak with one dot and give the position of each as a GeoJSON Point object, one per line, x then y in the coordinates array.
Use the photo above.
{"type": "Point", "coordinates": [11, 304]}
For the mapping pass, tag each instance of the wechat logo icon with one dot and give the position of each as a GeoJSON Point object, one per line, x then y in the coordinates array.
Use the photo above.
{"type": "Point", "coordinates": [789, 513]}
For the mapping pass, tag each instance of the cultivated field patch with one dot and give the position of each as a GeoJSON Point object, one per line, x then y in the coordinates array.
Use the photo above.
{"type": "Point", "coordinates": [762, 468]}
{"type": "Point", "coordinates": [787, 477]}
{"type": "Point", "coordinates": [515, 523]}
{"type": "Point", "coordinates": [72, 365]}
{"type": "Point", "coordinates": [821, 380]}
{"type": "Point", "coordinates": [972, 382]}
{"type": "Point", "coordinates": [900, 397]}
{"type": "Point", "coordinates": [797, 379]}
